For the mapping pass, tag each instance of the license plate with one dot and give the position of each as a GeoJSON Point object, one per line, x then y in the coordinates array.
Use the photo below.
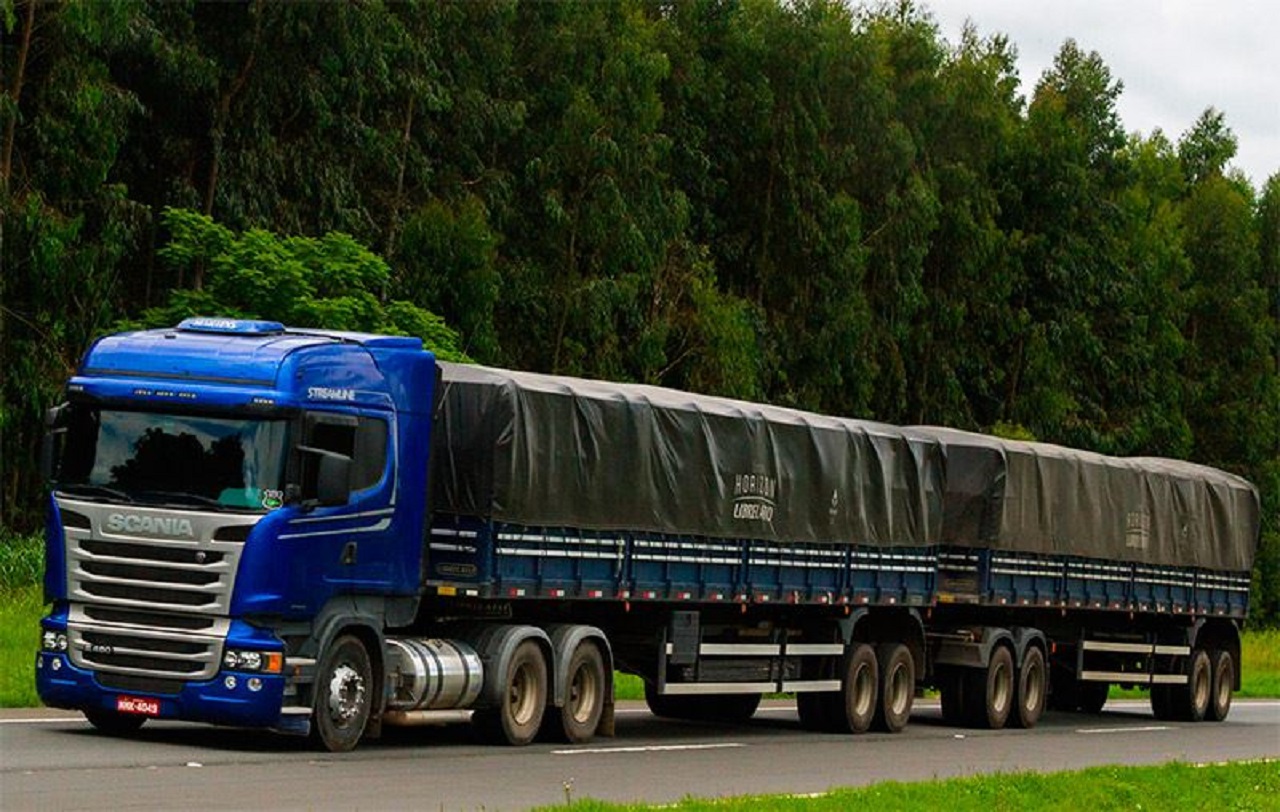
{"type": "Point", "coordinates": [138, 705]}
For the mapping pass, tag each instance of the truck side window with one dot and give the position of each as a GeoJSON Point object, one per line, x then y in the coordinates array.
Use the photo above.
{"type": "Point", "coordinates": [363, 439]}
{"type": "Point", "coordinates": [371, 453]}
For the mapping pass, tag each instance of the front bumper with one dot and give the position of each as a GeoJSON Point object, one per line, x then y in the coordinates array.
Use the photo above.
{"type": "Point", "coordinates": [239, 698]}
{"type": "Point", "coordinates": [230, 698]}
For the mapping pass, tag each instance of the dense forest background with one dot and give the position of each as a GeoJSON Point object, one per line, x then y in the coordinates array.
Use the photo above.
{"type": "Point", "coordinates": [799, 202]}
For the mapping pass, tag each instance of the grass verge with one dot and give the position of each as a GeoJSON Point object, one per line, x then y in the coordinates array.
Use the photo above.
{"type": "Point", "coordinates": [1250, 785]}
{"type": "Point", "coordinates": [20, 611]}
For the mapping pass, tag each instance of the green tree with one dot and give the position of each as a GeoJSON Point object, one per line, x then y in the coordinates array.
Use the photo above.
{"type": "Point", "coordinates": [331, 282]}
{"type": "Point", "coordinates": [67, 227]}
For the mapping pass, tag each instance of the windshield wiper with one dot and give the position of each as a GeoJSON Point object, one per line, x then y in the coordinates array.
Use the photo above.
{"type": "Point", "coordinates": [85, 489]}
{"type": "Point", "coordinates": [179, 497]}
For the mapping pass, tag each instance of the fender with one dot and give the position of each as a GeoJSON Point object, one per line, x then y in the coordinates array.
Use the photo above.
{"type": "Point", "coordinates": [1023, 638]}
{"type": "Point", "coordinates": [366, 615]}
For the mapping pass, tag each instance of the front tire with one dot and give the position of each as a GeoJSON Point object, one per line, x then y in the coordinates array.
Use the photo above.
{"type": "Point", "coordinates": [343, 695]}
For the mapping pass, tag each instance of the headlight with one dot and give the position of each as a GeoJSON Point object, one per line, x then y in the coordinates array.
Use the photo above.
{"type": "Point", "coordinates": [269, 662]}
{"type": "Point", "coordinates": [53, 641]}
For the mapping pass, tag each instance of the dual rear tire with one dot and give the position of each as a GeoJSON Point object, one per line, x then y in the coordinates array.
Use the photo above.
{"type": "Point", "coordinates": [1207, 693]}
{"type": "Point", "coordinates": [997, 695]}
{"type": "Point", "coordinates": [877, 692]}
{"type": "Point", "coordinates": [853, 708]}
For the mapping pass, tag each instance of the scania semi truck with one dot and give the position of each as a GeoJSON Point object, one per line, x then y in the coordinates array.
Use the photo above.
{"type": "Point", "coordinates": [324, 533]}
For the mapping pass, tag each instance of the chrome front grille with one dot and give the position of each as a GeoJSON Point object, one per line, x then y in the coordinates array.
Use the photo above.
{"type": "Point", "coordinates": [153, 607]}
{"type": "Point", "coordinates": [181, 576]}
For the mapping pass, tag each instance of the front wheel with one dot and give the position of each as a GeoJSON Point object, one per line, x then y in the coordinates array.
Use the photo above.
{"type": "Point", "coordinates": [114, 724]}
{"type": "Point", "coordinates": [343, 695]}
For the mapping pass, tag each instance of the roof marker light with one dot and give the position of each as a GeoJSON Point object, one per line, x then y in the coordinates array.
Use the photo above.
{"type": "Point", "coordinates": [231, 326]}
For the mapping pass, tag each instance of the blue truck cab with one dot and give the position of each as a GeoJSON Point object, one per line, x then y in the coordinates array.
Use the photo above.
{"type": "Point", "coordinates": [217, 487]}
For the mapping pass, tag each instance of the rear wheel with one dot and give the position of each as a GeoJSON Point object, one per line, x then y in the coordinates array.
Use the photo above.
{"type": "Point", "coordinates": [897, 687]}
{"type": "Point", "coordinates": [859, 694]}
{"type": "Point", "coordinates": [1033, 685]}
{"type": "Point", "coordinates": [1190, 702]}
{"type": "Point", "coordinates": [576, 721]}
{"type": "Point", "coordinates": [114, 724]}
{"type": "Point", "coordinates": [1223, 669]}
{"type": "Point", "coordinates": [343, 695]}
{"type": "Point", "coordinates": [516, 719]}
{"type": "Point", "coordinates": [989, 693]}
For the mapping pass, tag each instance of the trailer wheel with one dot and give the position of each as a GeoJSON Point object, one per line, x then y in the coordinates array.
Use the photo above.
{"type": "Point", "coordinates": [112, 723]}
{"type": "Point", "coordinates": [951, 683]}
{"type": "Point", "coordinates": [989, 692]}
{"type": "Point", "coordinates": [1033, 687]}
{"type": "Point", "coordinates": [576, 721]}
{"type": "Point", "coordinates": [524, 700]}
{"type": "Point", "coordinates": [1190, 702]}
{"type": "Point", "coordinates": [343, 695]}
{"type": "Point", "coordinates": [897, 687]}
{"type": "Point", "coordinates": [1224, 680]}
{"type": "Point", "coordinates": [859, 693]}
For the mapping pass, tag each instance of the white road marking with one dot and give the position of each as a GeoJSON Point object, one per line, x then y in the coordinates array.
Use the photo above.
{"type": "Point", "coordinates": [53, 720]}
{"type": "Point", "coordinates": [1147, 729]}
{"type": "Point", "coordinates": [654, 748]}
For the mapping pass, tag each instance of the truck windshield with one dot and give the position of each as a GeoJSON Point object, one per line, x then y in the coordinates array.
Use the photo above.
{"type": "Point", "coordinates": [172, 459]}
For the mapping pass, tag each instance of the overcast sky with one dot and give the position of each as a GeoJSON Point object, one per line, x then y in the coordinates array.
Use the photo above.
{"type": "Point", "coordinates": [1175, 58]}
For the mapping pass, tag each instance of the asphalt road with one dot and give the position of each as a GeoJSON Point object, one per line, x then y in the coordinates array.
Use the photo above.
{"type": "Point", "coordinates": [53, 760]}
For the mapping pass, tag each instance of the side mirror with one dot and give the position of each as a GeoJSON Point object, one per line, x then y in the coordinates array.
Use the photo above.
{"type": "Point", "coordinates": [55, 425]}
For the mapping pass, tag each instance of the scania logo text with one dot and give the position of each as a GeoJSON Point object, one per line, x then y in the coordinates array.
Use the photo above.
{"type": "Point", "coordinates": [150, 525]}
